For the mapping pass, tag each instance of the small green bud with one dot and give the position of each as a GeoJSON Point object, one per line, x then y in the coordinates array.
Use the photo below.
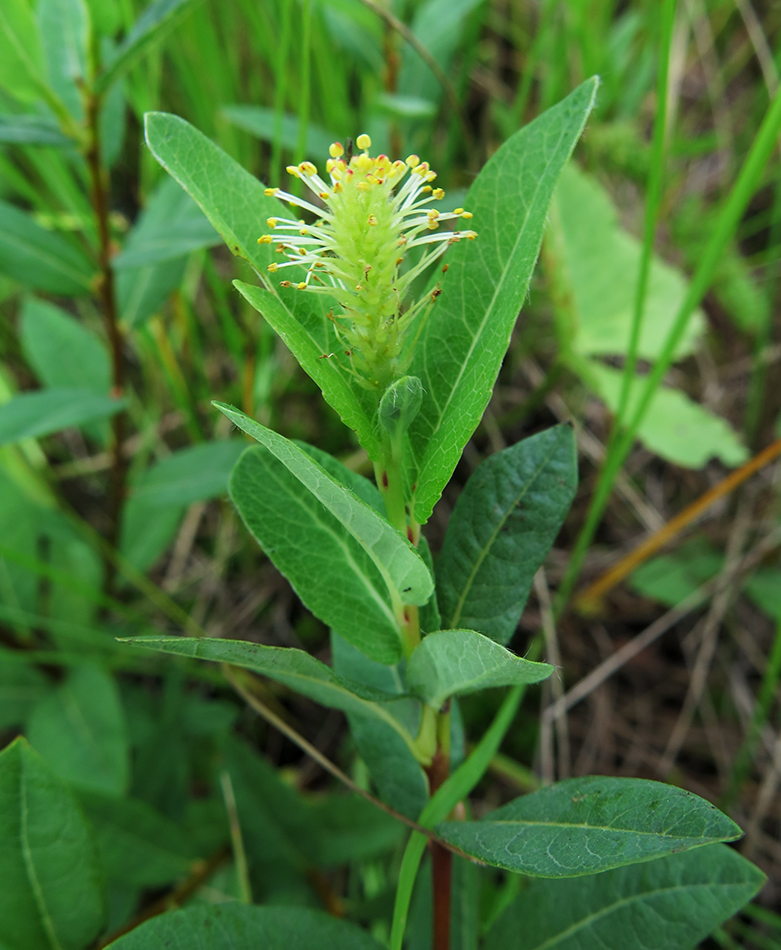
{"type": "Point", "coordinates": [399, 406]}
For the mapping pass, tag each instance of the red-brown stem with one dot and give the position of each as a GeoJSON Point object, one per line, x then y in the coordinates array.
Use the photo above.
{"type": "Point", "coordinates": [99, 194]}
{"type": "Point", "coordinates": [441, 862]}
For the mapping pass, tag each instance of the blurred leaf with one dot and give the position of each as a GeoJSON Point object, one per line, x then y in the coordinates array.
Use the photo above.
{"type": "Point", "coordinates": [395, 771]}
{"type": "Point", "coordinates": [586, 825]}
{"type": "Point", "coordinates": [52, 894]}
{"type": "Point", "coordinates": [142, 291]}
{"type": "Point", "coordinates": [80, 731]}
{"type": "Point", "coordinates": [171, 226]}
{"type": "Point", "coordinates": [61, 350]}
{"type": "Point", "coordinates": [30, 130]}
{"type": "Point", "coordinates": [50, 410]}
{"type": "Point", "coordinates": [674, 901]}
{"type": "Point", "coordinates": [147, 531]}
{"type": "Point", "coordinates": [295, 668]}
{"type": "Point", "coordinates": [601, 261]}
{"type": "Point", "coordinates": [465, 339]}
{"type": "Point", "coordinates": [671, 578]}
{"type": "Point", "coordinates": [501, 529]}
{"type": "Point", "coordinates": [155, 21]}
{"type": "Point", "coordinates": [239, 927]}
{"type": "Point", "coordinates": [137, 845]}
{"type": "Point", "coordinates": [407, 107]}
{"type": "Point", "coordinates": [327, 567]}
{"type": "Point", "coordinates": [40, 259]}
{"type": "Point", "coordinates": [22, 686]}
{"type": "Point", "coordinates": [406, 576]}
{"type": "Point", "coordinates": [356, 31]}
{"type": "Point", "coordinates": [764, 589]}
{"type": "Point", "coordinates": [105, 16]}
{"type": "Point", "coordinates": [193, 474]}
{"type": "Point", "coordinates": [438, 25]}
{"type": "Point", "coordinates": [674, 427]}
{"type": "Point", "coordinates": [112, 119]}
{"type": "Point", "coordinates": [21, 51]}
{"type": "Point", "coordinates": [260, 121]}
{"type": "Point", "coordinates": [454, 662]}
{"type": "Point", "coordinates": [351, 829]}
{"type": "Point", "coordinates": [65, 32]}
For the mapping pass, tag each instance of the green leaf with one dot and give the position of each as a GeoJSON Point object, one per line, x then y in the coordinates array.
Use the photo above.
{"type": "Point", "coordinates": [452, 662]}
{"type": "Point", "coordinates": [587, 825]}
{"type": "Point", "coordinates": [239, 927]}
{"type": "Point", "coordinates": [503, 525]}
{"type": "Point", "coordinates": [30, 130]}
{"type": "Point", "coordinates": [156, 20]}
{"type": "Point", "coordinates": [260, 122]}
{"type": "Point", "coordinates": [350, 828]}
{"type": "Point", "coordinates": [52, 895]}
{"type": "Point", "coordinates": [600, 263]}
{"type": "Point", "coordinates": [310, 337]}
{"type": "Point", "coordinates": [80, 732]}
{"type": "Point", "coordinates": [62, 351]}
{"type": "Point", "coordinates": [21, 687]}
{"type": "Point", "coordinates": [764, 589]}
{"type": "Point", "coordinates": [45, 411]}
{"type": "Point", "coordinates": [21, 50]}
{"type": "Point", "coordinates": [147, 531]}
{"type": "Point", "coordinates": [674, 902]}
{"type": "Point", "coordinates": [230, 197]}
{"type": "Point", "coordinates": [65, 32]}
{"type": "Point", "coordinates": [329, 570]}
{"type": "Point", "coordinates": [137, 844]}
{"type": "Point", "coordinates": [172, 225]}
{"type": "Point", "coordinates": [193, 474]}
{"type": "Point", "coordinates": [39, 258]}
{"type": "Point", "coordinates": [357, 484]}
{"type": "Point", "coordinates": [295, 668]}
{"type": "Point", "coordinates": [463, 344]}
{"type": "Point", "coordinates": [671, 578]}
{"type": "Point", "coordinates": [407, 577]}
{"type": "Point", "coordinates": [142, 291]}
{"type": "Point", "coordinates": [394, 769]}
{"type": "Point", "coordinates": [674, 427]}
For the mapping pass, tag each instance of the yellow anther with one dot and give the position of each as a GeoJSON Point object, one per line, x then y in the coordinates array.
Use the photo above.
{"type": "Point", "coordinates": [308, 168]}
{"type": "Point", "coordinates": [372, 220]}
{"type": "Point", "coordinates": [272, 267]}
{"type": "Point", "coordinates": [271, 222]}
{"type": "Point", "coordinates": [293, 170]}
{"type": "Point", "coordinates": [302, 285]}
{"type": "Point", "coordinates": [363, 141]}
{"type": "Point", "coordinates": [470, 235]}
{"type": "Point", "coordinates": [466, 214]}
{"type": "Point", "coordinates": [284, 283]}
{"type": "Point", "coordinates": [270, 192]}
{"type": "Point", "coordinates": [338, 187]}
{"type": "Point", "coordinates": [264, 239]}
{"type": "Point", "coordinates": [302, 251]}
{"type": "Point", "coordinates": [438, 193]}
{"type": "Point", "coordinates": [426, 188]}
{"type": "Point", "coordinates": [432, 224]}
{"type": "Point", "coordinates": [323, 195]}
{"type": "Point", "coordinates": [329, 165]}
{"type": "Point", "coordinates": [336, 150]}
{"type": "Point", "coordinates": [413, 161]}
{"type": "Point", "coordinates": [362, 186]}
{"type": "Point", "coordinates": [303, 231]}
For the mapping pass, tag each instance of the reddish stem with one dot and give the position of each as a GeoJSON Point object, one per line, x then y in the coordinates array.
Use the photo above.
{"type": "Point", "coordinates": [441, 862]}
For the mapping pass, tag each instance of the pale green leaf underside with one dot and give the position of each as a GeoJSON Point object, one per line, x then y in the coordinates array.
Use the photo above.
{"type": "Point", "coordinates": [294, 668]}
{"type": "Point", "coordinates": [234, 926]}
{"type": "Point", "coordinates": [674, 427]}
{"type": "Point", "coordinates": [502, 527]}
{"type": "Point", "coordinates": [329, 570]}
{"type": "Point", "coordinates": [300, 321]}
{"type": "Point", "coordinates": [587, 825]}
{"type": "Point", "coordinates": [673, 902]}
{"type": "Point", "coordinates": [451, 662]}
{"type": "Point", "coordinates": [407, 577]}
{"type": "Point", "coordinates": [463, 345]}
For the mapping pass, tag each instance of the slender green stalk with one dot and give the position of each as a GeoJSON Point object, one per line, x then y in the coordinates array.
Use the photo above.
{"type": "Point", "coordinates": [727, 222]}
{"type": "Point", "coordinates": [745, 756]}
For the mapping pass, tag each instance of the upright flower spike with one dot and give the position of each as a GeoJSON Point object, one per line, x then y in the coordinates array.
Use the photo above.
{"type": "Point", "coordinates": [375, 212]}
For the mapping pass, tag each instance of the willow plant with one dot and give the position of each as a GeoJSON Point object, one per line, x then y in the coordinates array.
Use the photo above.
{"type": "Point", "coordinates": [406, 347]}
